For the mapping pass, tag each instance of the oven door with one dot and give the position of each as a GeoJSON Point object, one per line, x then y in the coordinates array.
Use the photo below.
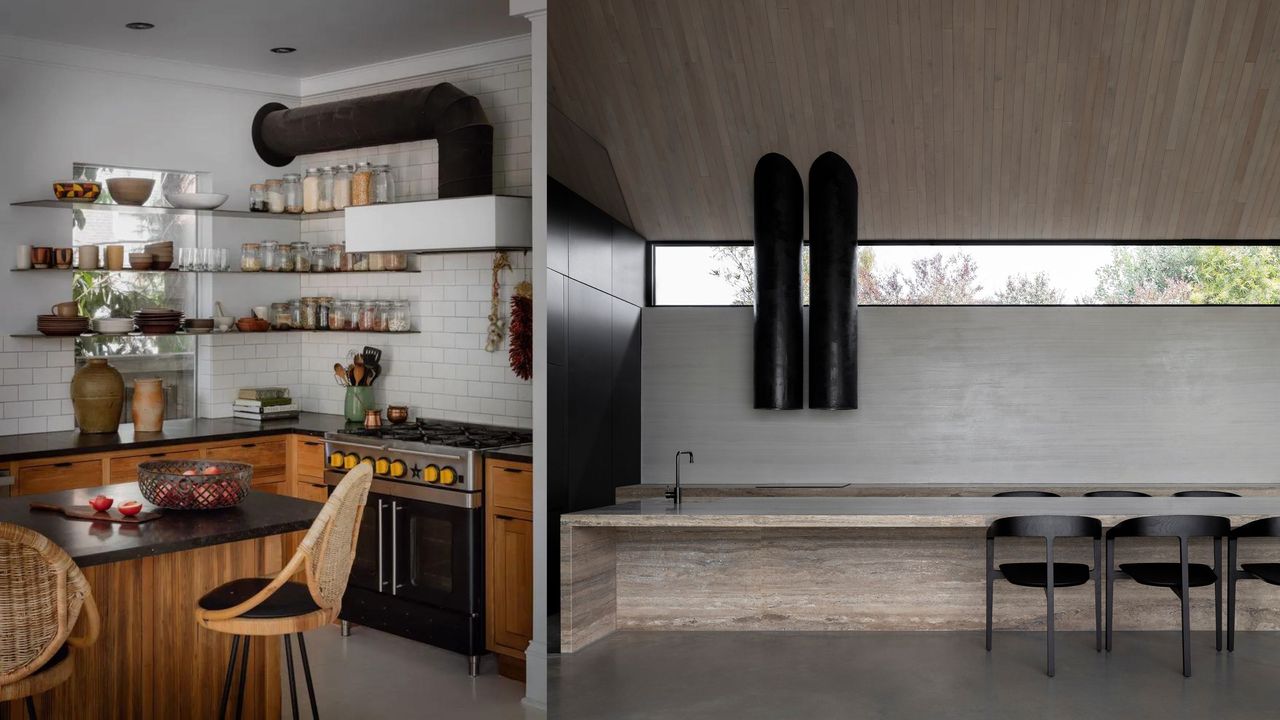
{"type": "Point", "coordinates": [436, 554]}
{"type": "Point", "coordinates": [370, 570]}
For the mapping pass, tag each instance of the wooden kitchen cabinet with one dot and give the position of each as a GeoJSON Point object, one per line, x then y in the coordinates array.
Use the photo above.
{"type": "Point", "coordinates": [51, 474]}
{"type": "Point", "coordinates": [307, 459]}
{"type": "Point", "coordinates": [124, 468]}
{"type": "Point", "coordinates": [509, 563]}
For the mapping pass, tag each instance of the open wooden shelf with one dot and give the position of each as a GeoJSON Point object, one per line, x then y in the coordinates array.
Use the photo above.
{"type": "Point", "coordinates": [213, 272]}
{"type": "Point", "coordinates": [95, 336]}
{"type": "Point", "coordinates": [153, 210]}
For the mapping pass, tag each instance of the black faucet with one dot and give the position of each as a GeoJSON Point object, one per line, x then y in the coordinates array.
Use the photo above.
{"type": "Point", "coordinates": [676, 493]}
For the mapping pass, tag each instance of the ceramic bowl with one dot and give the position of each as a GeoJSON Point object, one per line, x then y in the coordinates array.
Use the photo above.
{"type": "Point", "coordinates": [195, 201]}
{"type": "Point", "coordinates": [113, 325]}
{"type": "Point", "coordinates": [140, 261]}
{"type": "Point", "coordinates": [252, 325]}
{"type": "Point", "coordinates": [224, 322]}
{"type": "Point", "coordinates": [130, 191]}
{"type": "Point", "coordinates": [81, 190]}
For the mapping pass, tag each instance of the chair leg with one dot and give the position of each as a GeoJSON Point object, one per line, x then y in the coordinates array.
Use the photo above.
{"type": "Point", "coordinates": [1217, 593]}
{"type": "Point", "coordinates": [293, 686]}
{"type": "Point", "coordinates": [989, 600]}
{"type": "Point", "coordinates": [226, 684]}
{"type": "Point", "coordinates": [1048, 592]}
{"type": "Point", "coordinates": [1185, 597]}
{"type": "Point", "coordinates": [244, 672]}
{"type": "Point", "coordinates": [1097, 595]}
{"type": "Point", "coordinates": [31, 708]}
{"type": "Point", "coordinates": [1111, 587]}
{"type": "Point", "coordinates": [1231, 595]}
{"type": "Point", "coordinates": [306, 672]}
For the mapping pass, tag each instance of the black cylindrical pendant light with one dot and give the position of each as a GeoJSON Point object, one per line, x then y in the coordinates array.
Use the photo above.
{"type": "Point", "coordinates": [833, 284]}
{"type": "Point", "coordinates": [779, 328]}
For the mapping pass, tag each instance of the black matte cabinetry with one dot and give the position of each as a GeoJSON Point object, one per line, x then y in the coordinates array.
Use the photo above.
{"type": "Point", "coordinates": [594, 302]}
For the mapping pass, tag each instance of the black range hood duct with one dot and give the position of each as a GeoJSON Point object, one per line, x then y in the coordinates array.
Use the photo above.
{"type": "Point", "coordinates": [833, 284]}
{"type": "Point", "coordinates": [779, 322]}
{"type": "Point", "coordinates": [443, 112]}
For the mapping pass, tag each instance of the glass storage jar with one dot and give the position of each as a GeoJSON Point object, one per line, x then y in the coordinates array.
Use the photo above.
{"type": "Point", "coordinates": [281, 316]}
{"type": "Point", "coordinates": [292, 193]}
{"type": "Point", "coordinates": [368, 316]}
{"type": "Point", "coordinates": [275, 195]}
{"type": "Point", "coordinates": [301, 252]}
{"type": "Point", "coordinates": [308, 313]}
{"type": "Point", "coordinates": [271, 256]}
{"type": "Point", "coordinates": [325, 201]}
{"type": "Point", "coordinates": [376, 261]}
{"type": "Point", "coordinates": [286, 261]}
{"type": "Point", "coordinates": [250, 257]}
{"type": "Point", "coordinates": [324, 313]}
{"type": "Point", "coordinates": [335, 256]}
{"type": "Point", "coordinates": [362, 185]}
{"type": "Point", "coordinates": [258, 197]}
{"type": "Point", "coordinates": [320, 259]}
{"type": "Point", "coordinates": [311, 191]}
{"type": "Point", "coordinates": [398, 316]}
{"type": "Point", "coordinates": [340, 315]}
{"type": "Point", "coordinates": [395, 260]}
{"type": "Point", "coordinates": [342, 187]}
{"type": "Point", "coordinates": [381, 184]}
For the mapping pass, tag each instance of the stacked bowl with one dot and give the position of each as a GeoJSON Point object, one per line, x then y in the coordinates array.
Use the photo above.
{"type": "Point", "coordinates": [113, 326]}
{"type": "Point", "coordinates": [158, 321]}
{"type": "Point", "coordinates": [56, 325]}
{"type": "Point", "coordinates": [161, 255]}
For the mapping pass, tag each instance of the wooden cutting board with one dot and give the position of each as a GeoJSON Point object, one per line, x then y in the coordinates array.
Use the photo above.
{"type": "Point", "coordinates": [111, 515]}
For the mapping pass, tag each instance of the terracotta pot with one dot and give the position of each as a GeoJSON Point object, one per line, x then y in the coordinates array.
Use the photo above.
{"type": "Point", "coordinates": [148, 405]}
{"type": "Point", "coordinates": [40, 256]}
{"type": "Point", "coordinates": [97, 393]}
{"type": "Point", "coordinates": [62, 257]}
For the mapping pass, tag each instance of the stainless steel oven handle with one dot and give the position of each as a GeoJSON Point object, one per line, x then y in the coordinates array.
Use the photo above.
{"type": "Point", "coordinates": [380, 581]}
{"type": "Point", "coordinates": [445, 456]}
{"type": "Point", "coordinates": [345, 444]}
{"type": "Point", "coordinates": [395, 540]}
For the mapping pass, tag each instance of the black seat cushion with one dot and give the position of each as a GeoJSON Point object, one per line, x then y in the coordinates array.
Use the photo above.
{"type": "Point", "coordinates": [1169, 574]}
{"type": "Point", "coordinates": [291, 600]}
{"type": "Point", "coordinates": [1268, 572]}
{"type": "Point", "coordinates": [1033, 574]}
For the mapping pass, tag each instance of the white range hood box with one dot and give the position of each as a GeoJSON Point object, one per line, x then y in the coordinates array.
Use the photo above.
{"type": "Point", "coordinates": [480, 222]}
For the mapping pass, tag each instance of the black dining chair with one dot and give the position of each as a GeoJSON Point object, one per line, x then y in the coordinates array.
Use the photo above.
{"type": "Point", "coordinates": [1115, 493]}
{"type": "Point", "coordinates": [1266, 572]}
{"type": "Point", "coordinates": [1205, 493]}
{"type": "Point", "coordinates": [1048, 574]}
{"type": "Point", "coordinates": [1025, 493]}
{"type": "Point", "coordinates": [1179, 577]}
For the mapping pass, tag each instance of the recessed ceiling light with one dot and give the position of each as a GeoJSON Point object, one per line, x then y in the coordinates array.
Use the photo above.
{"type": "Point", "coordinates": [283, 50]}
{"type": "Point", "coordinates": [139, 26]}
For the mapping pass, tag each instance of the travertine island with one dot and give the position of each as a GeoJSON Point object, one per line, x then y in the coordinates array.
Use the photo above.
{"type": "Point", "coordinates": [152, 660]}
{"type": "Point", "coordinates": [861, 563]}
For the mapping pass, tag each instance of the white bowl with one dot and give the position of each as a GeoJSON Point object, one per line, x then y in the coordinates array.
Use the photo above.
{"type": "Point", "coordinates": [195, 201]}
{"type": "Point", "coordinates": [224, 322]}
{"type": "Point", "coordinates": [113, 325]}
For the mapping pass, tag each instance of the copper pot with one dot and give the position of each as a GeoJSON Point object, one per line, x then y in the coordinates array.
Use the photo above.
{"type": "Point", "coordinates": [397, 414]}
{"type": "Point", "coordinates": [372, 419]}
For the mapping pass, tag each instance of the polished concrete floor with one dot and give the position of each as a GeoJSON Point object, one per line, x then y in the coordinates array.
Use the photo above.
{"type": "Point", "coordinates": [373, 675]}
{"type": "Point", "coordinates": [891, 675]}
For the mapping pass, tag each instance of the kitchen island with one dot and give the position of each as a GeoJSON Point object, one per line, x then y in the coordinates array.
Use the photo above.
{"type": "Point", "coordinates": [861, 563]}
{"type": "Point", "coordinates": [152, 660]}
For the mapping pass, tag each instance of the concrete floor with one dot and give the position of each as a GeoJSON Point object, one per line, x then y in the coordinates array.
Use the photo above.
{"type": "Point", "coordinates": [373, 675]}
{"type": "Point", "coordinates": [892, 675]}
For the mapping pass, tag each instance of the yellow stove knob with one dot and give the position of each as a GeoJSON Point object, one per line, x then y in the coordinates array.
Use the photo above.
{"type": "Point", "coordinates": [448, 476]}
{"type": "Point", "coordinates": [335, 459]}
{"type": "Point", "coordinates": [431, 474]}
{"type": "Point", "coordinates": [382, 466]}
{"type": "Point", "coordinates": [366, 461]}
{"type": "Point", "coordinates": [350, 460]}
{"type": "Point", "coordinates": [398, 469]}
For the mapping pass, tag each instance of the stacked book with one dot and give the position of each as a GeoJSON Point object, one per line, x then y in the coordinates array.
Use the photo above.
{"type": "Point", "coordinates": [265, 403]}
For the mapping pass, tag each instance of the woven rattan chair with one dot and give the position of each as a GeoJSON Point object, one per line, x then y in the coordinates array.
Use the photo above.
{"type": "Point", "coordinates": [279, 606]}
{"type": "Point", "coordinates": [42, 595]}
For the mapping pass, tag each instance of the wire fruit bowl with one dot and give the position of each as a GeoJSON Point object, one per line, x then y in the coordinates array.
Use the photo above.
{"type": "Point", "coordinates": [189, 484]}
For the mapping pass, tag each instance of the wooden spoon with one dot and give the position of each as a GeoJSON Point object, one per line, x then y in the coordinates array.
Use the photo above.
{"type": "Point", "coordinates": [357, 374]}
{"type": "Point", "coordinates": [340, 373]}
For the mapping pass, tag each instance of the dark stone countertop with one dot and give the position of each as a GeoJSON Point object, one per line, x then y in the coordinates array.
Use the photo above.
{"type": "Point", "coordinates": [515, 453]}
{"type": "Point", "coordinates": [71, 442]}
{"type": "Point", "coordinates": [97, 543]}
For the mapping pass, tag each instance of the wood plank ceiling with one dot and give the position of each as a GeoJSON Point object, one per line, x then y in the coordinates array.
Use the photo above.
{"type": "Point", "coordinates": [1111, 119]}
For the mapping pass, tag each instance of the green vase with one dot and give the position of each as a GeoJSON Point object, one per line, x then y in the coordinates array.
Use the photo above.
{"type": "Point", "coordinates": [359, 399]}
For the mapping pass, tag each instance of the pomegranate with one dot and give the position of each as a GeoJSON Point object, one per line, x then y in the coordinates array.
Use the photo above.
{"type": "Point", "coordinates": [130, 508]}
{"type": "Point", "coordinates": [100, 503]}
{"type": "Point", "coordinates": [211, 470]}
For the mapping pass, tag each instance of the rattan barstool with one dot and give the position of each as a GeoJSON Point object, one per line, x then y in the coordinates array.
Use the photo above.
{"type": "Point", "coordinates": [279, 606]}
{"type": "Point", "coordinates": [42, 595]}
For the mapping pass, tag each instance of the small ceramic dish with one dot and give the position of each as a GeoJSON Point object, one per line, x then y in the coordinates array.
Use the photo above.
{"type": "Point", "coordinates": [78, 190]}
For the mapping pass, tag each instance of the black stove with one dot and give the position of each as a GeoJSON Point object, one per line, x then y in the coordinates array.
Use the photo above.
{"type": "Point", "coordinates": [470, 436]}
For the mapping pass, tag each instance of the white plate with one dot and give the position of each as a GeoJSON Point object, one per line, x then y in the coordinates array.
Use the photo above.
{"type": "Point", "coordinates": [195, 201]}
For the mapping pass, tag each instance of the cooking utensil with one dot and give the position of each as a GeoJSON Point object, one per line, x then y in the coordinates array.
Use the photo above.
{"type": "Point", "coordinates": [341, 373]}
{"type": "Point", "coordinates": [357, 374]}
{"type": "Point", "coordinates": [372, 355]}
{"type": "Point", "coordinates": [110, 515]}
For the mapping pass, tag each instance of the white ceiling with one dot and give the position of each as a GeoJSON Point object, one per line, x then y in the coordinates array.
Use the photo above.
{"type": "Point", "coordinates": [330, 35]}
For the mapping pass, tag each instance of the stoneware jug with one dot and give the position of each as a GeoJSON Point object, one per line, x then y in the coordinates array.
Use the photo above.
{"type": "Point", "coordinates": [97, 394]}
{"type": "Point", "coordinates": [148, 405]}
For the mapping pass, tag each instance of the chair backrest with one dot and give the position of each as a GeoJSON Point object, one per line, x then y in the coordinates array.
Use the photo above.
{"type": "Point", "coordinates": [41, 594]}
{"type": "Point", "coordinates": [1205, 493]}
{"type": "Point", "coordinates": [330, 544]}
{"type": "Point", "coordinates": [1266, 527]}
{"type": "Point", "coordinates": [1179, 526]}
{"type": "Point", "coordinates": [1026, 493]}
{"type": "Point", "coordinates": [1045, 526]}
{"type": "Point", "coordinates": [1116, 493]}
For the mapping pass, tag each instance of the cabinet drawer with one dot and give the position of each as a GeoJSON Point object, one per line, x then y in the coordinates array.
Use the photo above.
{"type": "Point", "coordinates": [274, 485]}
{"type": "Point", "coordinates": [125, 469]}
{"type": "Point", "coordinates": [67, 475]}
{"type": "Point", "coordinates": [266, 457]}
{"type": "Point", "coordinates": [511, 588]}
{"type": "Point", "coordinates": [311, 459]}
{"type": "Point", "coordinates": [315, 492]}
{"type": "Point", "coordinates": [510, 485]}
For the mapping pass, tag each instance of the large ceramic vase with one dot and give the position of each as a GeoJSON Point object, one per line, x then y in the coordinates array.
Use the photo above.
{"type": "Point", "coordinates": [97, 394]}
{"type": "Point", "coordinates": [359, 399]}
{"type": "Point", "coordinates": [148, 405]}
